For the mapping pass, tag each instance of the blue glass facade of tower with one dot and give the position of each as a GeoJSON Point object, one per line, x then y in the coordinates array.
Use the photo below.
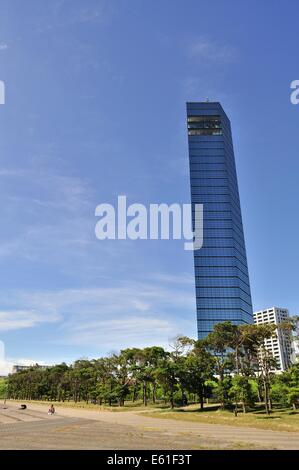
{"type": "Point", "coordinates": [221, 272]}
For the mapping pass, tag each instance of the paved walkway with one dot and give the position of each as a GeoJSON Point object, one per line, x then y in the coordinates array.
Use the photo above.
{"type": "Point", "coordinates": [165, 430]}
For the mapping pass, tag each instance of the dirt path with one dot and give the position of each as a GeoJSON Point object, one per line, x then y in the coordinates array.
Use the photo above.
{"type": "Point", "coordinates": [161, 432]}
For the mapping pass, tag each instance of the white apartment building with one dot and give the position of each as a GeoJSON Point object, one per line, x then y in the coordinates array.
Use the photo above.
{"type": "Point", "coordinates": [280, 345]}
{"type": "Point", "coordinates": [18, 368]}
{"type": "Point", "coordinates": [295, 347]}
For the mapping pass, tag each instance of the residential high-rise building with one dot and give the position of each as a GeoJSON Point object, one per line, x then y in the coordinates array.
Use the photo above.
{"type": "Point", "coordinates": [295, 345]}
{"type": "Point", "coordinates": [295, 351]}
{"type": "Point", "coordinates": [221, 273]}
{"type": "Point", "coordinates": [280, 345]}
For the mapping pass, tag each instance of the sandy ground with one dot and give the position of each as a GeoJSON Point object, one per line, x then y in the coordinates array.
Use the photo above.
{"type": "Point", "coordinates": [74, 428]}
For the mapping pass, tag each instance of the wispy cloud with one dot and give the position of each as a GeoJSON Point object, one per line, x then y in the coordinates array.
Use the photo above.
{"type": "Point", "coordinates": [55, 190]}
{"type": "Point", "coordinates": [209, 51]}
{"type": "Point", "coordinates": [204, 87]}
{"type": "Point", "coordinates": [3, 46]}
{"type": "Point", "coordinates": [118, 333]}
{"type": "Point", "coordinates": [182, 279]}
{"type": "Point", "coordinates": [19, 319]}
{"type": "Point", "coordinates": [62, 14]}
{"type": "Point", "coordinates": [54, 210]}
{"type": "Point", "coordinates": [127, 314]}
{"type": "Point", "coordinates": [88, 14]}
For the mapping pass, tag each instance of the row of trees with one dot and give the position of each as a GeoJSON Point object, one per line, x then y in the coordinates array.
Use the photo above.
{"type": "Point", "coordinates": [231, 366]}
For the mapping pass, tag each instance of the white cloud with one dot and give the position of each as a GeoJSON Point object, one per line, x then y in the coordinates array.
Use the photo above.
{"type": "Point", "coordinates": [6, 367]}
{"type": "Point", "coordinates": [3, 47]}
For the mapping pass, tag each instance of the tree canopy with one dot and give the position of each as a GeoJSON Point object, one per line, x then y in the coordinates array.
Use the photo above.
{"type": "Point", "coordinates": [230, 366]}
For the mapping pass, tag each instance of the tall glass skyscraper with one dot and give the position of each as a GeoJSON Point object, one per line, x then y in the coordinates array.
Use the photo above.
{"type": "Point", "coordinates": [221, 273]}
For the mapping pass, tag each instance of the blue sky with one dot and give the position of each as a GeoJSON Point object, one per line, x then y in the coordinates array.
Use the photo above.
{"type": "Point", "coordinates": [95, 107]}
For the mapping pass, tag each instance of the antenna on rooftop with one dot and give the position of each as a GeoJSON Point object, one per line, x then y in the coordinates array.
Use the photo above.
{"type": "Point", "coordinates": [207, 99]}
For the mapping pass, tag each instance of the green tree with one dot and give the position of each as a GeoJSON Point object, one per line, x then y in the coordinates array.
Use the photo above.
{"type": "Point", "coordinates": [256, 335]}
{"type": "Point", "coordinates": [198, 370]}
{"type": "Point", "coordinates": [218, 343]}
{"type": "Point", "coordinates": [3, 388]}
{"type": "Point", "coordinates": [167, 375]}
{"type": "Point", "coordinates": [285, 387]}
{"type": "Point", "coordinates": [241, 391]}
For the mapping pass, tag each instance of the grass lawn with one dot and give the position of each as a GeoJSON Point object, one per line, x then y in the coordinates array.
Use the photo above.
{"type": "Point", "coordinates": [280, 419]}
